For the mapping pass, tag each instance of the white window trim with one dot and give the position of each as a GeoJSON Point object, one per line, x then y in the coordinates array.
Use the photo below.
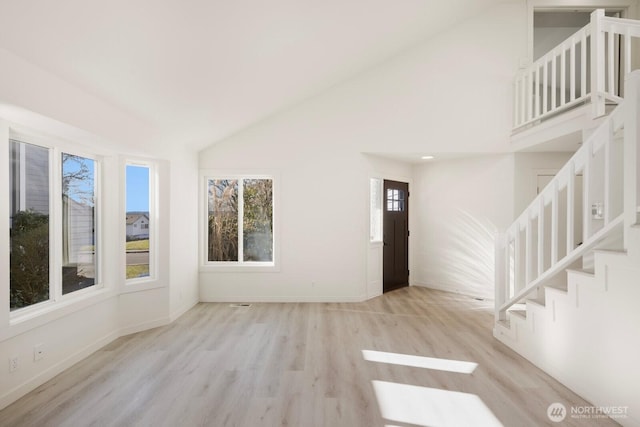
{"type": "Point", "coordinates": [237, 266]}
{"type": "Point", "coordinates": [379, 182]}
{"type": "Point", "coordinates": [58, 304]}
{"type": "Point", "coordinates": [151, 281]}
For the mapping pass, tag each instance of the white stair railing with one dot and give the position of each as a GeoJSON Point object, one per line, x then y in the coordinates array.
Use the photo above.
{"type": "Point", "coordinates": [580, 205]}
{"type": "Point", "coordinates": [596, 192]}
{"type": "Point", "coordinates": [583, 68]}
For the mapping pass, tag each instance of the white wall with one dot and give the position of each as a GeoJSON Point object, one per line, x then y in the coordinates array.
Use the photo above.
{"type": "Point", "coordinates": [42, 103]}
{"type": "Point", "coordinates": [451, 93]}
{"type": "Point", "coordinates": [79, 114]}
{"type": "Point", "coordinates": [65, 340]}
{"type": "Point", "coordinates": [462, 204]}
{"type": "Point", "coordinates": [321, 207]}
{"type": "Point", "coordinates": [546, 38]}
{"type": "Point", "coordinates": [183, 239]}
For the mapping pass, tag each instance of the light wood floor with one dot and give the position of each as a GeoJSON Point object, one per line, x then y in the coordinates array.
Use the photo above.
{"type": "Point", "coordinates": [302, 365]}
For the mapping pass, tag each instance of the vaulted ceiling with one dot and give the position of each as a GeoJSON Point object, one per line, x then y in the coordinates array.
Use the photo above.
{"type": "Point", "coordinates": [201, 70]}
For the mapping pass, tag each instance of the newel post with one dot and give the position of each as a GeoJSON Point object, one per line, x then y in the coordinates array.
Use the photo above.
{"type": "Point", "coordinates": [631, 112]}
{"type": "Point", "coordinates": [597, 64]}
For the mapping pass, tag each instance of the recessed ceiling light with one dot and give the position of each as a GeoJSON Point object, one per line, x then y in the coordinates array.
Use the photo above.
{"type": "Point", "coordinates": [427, 157]}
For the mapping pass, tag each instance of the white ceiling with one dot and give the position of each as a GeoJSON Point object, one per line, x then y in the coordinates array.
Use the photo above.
{"type": "Point", "coordinates": [200, 70]}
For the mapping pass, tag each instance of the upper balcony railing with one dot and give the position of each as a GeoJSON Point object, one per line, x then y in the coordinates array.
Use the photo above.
{"type": "Point", "coordinates": [589, 66]}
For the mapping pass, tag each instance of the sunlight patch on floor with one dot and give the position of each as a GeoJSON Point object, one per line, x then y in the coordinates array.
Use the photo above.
{"type": "Point", "coordinates": [447, 365]}
{"type": "Point", "coordinates": [424, 406]}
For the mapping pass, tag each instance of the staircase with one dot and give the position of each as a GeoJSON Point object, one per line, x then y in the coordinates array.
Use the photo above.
{"type": "Point", "coordinates": [568, 269]}
{"type": "Point", "coordinates": [583, 331]}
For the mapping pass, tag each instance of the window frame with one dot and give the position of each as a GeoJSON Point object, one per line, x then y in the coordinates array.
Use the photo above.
{"type": "Point", "coordinates": [240, 265]}
{"type": "Point", "coordinates": [57, 300]}
{"type": "Point", "coordinates": [150, 281]}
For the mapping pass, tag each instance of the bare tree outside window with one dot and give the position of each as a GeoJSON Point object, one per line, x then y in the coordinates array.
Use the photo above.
{"type": "Point", "coordinates": [258, 220]}
{"type": "Point", "coordinates": [223, 220]}
{"type": "Point", "coordinates": [240, 220]}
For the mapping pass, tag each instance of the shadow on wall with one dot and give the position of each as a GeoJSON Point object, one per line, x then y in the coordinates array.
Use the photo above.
{"type": "Point", "coordinates": [465, 256]}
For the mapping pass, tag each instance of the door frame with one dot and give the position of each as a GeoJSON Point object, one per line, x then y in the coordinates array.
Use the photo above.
{"type": "Point", "coordinates": [534, 179]}
{"type": "Point", "coordinates": [375, 258]}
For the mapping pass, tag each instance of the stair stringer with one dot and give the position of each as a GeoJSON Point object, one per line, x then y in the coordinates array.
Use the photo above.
{"type": "Point", "coordinates": [588, 337]}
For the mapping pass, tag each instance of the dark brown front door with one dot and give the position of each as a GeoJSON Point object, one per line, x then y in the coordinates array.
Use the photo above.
{"type": "Point", "coordinates": [395, 266]}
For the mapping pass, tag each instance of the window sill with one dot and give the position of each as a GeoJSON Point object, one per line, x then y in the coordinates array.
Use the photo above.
{"type": "Point", "coordinates": [235, 268]}
{"type": "Point", "coordinates": [50, 311]}
{"type": "Point", "coordinates": [140, 285]}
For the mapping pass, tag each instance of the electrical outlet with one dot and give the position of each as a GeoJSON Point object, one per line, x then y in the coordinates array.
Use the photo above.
{"type": "Point", "coordinates": [38, 352]}
{"type": "Point", "coordinates": [13, 364]}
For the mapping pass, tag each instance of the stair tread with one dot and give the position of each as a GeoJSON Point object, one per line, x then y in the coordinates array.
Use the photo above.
{"type": "Point", "coordinates": [582, 271]}
{"type": "Point", "coordinates": [610, 251]}
{"type": "Point", "coordinates": [564, 289]}
{"type": "Point", "coordinates": [504, 323]}
{"type": "Point", "coordinates": [537, 301]}
{"type": "Point", "coordinates": [520, 313]}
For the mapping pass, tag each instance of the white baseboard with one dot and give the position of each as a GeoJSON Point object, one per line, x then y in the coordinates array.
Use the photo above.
{"type": "Point", "coordinates": [283, 299]}
{"type": "Point", "coordinates": [144, 326]}
{"type": "Point", "coordinates": [454, 291]}
{"type": "Point", "coordinates": [182, 310]}
{"type": "Point", "coordinates": [17, 392]}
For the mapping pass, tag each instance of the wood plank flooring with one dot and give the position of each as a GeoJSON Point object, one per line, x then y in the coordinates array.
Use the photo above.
{"type": "Point", "coordinates": [301, 364]}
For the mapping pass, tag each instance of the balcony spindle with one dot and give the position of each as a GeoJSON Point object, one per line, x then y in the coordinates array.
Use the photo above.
{"type": "Point", "coordinates": [563, 78]}
{"type": "Point", "coordinates": [572, 71]}
{"type": "Point", "coordinates": [597, 67]}
{"type": "Point", "coordinates": [545, 86]}
{"type": "Point", "coordinates": [627, 52]}
{"type": "Point", "coordinates": [537, 93]}
{"type": "Point", "coordinates": [554, 83]}
{"type": "Point", "coordinates": [583, 64]}
{"type": "Point", "coordinates": [611, 63]}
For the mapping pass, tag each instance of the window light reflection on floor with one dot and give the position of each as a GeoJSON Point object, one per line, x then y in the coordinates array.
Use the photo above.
{"type": "Point", "coordinates": [423, 406]}
{"type": "Point", "coordinates": [447, 365]}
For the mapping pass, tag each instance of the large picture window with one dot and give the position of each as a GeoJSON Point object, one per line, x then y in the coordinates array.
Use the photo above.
{"type": "Point", "coordinates": [29, 224]}
{"type": "Point", "coordinates": [240, 220]}
{"type": "Point", "coordinates": [53, 223]}
{"type": "Point", "coordinates": [79, 265]}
